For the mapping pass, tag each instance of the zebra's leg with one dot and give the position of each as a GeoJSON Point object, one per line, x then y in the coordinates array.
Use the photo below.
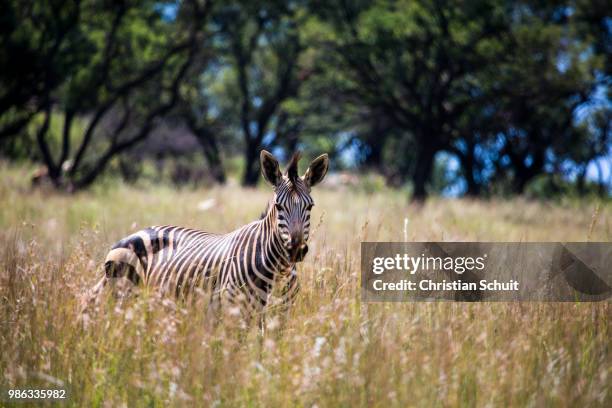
{"type": "Point", "coordinates": [287, 289]}
{"type": "Point", "coordinates": [92, 297]}
{"type": "Point", "coordinates": [213, 309]}
{"type": "Point", "coordinates": [290, 290]}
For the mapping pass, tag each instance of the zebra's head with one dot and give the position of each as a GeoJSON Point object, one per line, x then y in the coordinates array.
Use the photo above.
{"type": "Point", "coordinates": [292, 201]}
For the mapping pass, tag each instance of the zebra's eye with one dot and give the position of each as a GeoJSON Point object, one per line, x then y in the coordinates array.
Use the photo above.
{"type": "Point", "coordinates": [278, 206]}
{"type": "Point", "coordinates": [309, 207]}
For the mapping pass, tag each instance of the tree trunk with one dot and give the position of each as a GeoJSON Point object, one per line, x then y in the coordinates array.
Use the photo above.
{"type": "Point", "coordinates": [473, 188]}
{"type": "Point", "coordinates": [287, 134]}
{"type": "Point", "coordinates": [375, 139]}
{"type": "Point", "coordinates": [519, 185]}
{"type": "Point", "coordinates": [524, 173]}
{"type": "Point", "coordinates": [581, 180]}
{"type": "Point", "coordinates": [292, 143]}
{"type": "Point", "coordinates": [129, 168]}
{"type": "Point", "coordinates": [251, 165]}
{"type": "Point", "coordinates": [211, 151]}
{"type": "Point", "coordinates": [53, 171]}
{"type": "Point", "coordinates": [374, 158]}
{"type": "Point", "coordinates": [523, 176]}
{"type": "Point", "coordinates": [216, 166]}
{"type": "Point", "coordinates": [468, 163]}
{"type": "Point", "coordinates": [422, 171]}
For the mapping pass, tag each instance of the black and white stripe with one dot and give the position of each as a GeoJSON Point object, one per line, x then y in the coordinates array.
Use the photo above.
{"type": "Point", "coordinates": [243, 266]}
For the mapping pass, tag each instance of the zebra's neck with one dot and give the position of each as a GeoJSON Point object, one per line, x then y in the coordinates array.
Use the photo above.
{"type": "Point", "coordinates": [266, 259]}
{"type": "Point", "coordinates": [271, 241]}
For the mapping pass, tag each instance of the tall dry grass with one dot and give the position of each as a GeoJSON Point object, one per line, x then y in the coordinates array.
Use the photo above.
{"type": "Point", "coordinates": [331, 350]}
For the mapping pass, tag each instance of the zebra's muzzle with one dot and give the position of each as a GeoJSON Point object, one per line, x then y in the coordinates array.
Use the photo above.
{"type": "Point", "coordinates": [297, 253]}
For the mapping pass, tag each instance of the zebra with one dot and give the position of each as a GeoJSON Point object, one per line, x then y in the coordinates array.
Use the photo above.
{"type": "Point", "coordinates": [244, 266]}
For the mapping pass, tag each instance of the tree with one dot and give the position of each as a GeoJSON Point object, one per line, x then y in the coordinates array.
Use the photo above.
{"type": "Point", "coordinates": [138, 63]}
{"type": "Point", "coordinates": [42, 46]}
{"type": "Point", "coordinates": [195, 110]}
{"type": "Point", "coordinates": [538, 92]}
{"type": "Point", "coordinates": [261, 43]}
{"type": "Point", "coordinates": [417, 63]}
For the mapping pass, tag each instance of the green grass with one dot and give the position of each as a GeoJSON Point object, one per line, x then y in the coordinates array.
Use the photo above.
{"type": "Point", "coordinates": [331, 350]}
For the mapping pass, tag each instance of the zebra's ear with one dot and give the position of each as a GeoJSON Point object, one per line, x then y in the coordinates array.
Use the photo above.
{"type": "Point", "coordinates": [270, 168]}
{"type": "Point", "coordinates": [317, 170]}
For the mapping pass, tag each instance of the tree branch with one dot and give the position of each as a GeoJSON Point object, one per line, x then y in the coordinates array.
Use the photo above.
{"type": "Point", "coordinates": [120, 92]}
{"type": "Point", "coordinates": [68, 117]}
{"type": "Point", "coordinates": [117, 147]}
{"type": "Point", "coordinates": [42, 143]}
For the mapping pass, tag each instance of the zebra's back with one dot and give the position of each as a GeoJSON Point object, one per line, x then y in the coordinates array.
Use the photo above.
{"type": "Point", "coordinates": [169, 257]}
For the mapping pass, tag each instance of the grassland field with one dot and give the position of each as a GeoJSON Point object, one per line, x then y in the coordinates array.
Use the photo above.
{"type": "Point", "coordinates": [331, 350]}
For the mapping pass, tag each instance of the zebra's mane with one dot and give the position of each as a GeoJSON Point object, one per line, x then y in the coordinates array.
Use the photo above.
{"type": "Point", "coordinates": [292, 167]}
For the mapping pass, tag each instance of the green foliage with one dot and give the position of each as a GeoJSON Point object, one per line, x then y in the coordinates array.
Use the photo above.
{"type": "Point", "coordinates": [512, 89]}
{"type": "Point", "coordinates": [115, 66]}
